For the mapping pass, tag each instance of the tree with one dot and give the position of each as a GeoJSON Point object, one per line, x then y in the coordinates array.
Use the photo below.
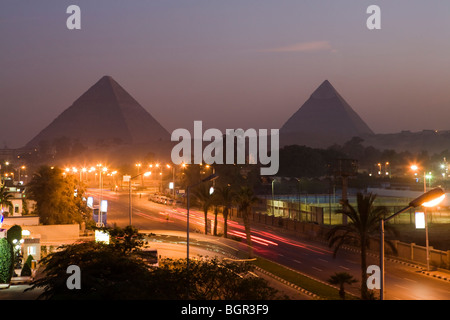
{"type": "Point", "coordinates": [109, 274]}
{"type": "Point", "coordinates": [26, 270]}
{"type": "Point", "coordinates": [209, 279]}
{"type": "Point", "coordinates": [216, 212]}
{"type": "Point", "coordinates": [224, 196]}
{"type": "Point", "coordinates": [5, 199]}
{"type": "Point", "coordinates": [6, 261]}
{"type": "Point", "coordinates": [205, 200]}
{"type": "Point", "coordinates": [364, 221]}
{"type": "Point", "coordinates": [340, 279]}
{"type": "Point", "coordinates": [58, 197]}
{"type": "Point", "coordinates": [14, 235]}
{"type": "Point", "coordinates": [126, 240]}
{"type": "Point", "coordinates": [245, 198]}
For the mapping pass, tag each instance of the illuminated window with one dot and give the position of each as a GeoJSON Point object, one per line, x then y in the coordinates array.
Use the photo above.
{"type": "Point", "coordinates": [31, 250]}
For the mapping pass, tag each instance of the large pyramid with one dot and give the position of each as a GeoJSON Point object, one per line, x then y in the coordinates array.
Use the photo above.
{"type": "Point", "coordinates": [323, 120]}
{"type": "Point", "coordinates": [104, 115]}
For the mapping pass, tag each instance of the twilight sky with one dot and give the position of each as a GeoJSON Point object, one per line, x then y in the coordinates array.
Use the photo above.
{"type": "Point", "coordinates": [230, 63]}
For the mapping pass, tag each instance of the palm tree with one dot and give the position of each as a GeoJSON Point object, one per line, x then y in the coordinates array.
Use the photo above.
{"type": "Point", "coordinates": [54, 196]}
{"type": "Point", "coordinates": [245, 198]}
{"type": "Point", "coordinates": [364, 221]}
{"type": "Point", "coordinates": [340, 279]}
{"type": "Point", "coordinates": [205, 199]}
{"type": "Point", "coordinates": [5, 198]}
{"type": "Point", "coordinates": [225, 196]}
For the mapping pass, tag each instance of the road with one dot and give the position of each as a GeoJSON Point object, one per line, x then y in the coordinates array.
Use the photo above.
{"type": "Point", "coordinates": [402, 282]}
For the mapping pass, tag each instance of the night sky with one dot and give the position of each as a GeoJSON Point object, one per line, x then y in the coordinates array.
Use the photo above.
{"type": "Point", "coordinates": [231, 63]}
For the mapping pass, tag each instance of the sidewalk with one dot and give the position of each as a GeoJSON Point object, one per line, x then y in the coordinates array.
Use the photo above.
{"type": "Point", "coordinates": [16, 292]}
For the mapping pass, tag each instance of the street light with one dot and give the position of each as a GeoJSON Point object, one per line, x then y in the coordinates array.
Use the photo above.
{"type": "Point", "coordinates": [23, 168]}
{"type": "Point", "coordinates": [428, 199]}
{"type": "Point", "coordinates": [173, 179]}
{"type": "Point", "coordinates": [425, 177]}
{"type": "Point", "coordinates": [129, 193]}
{"type": "Point", "coordinates": [103, 170]}
{"type": "Point", "coordinates": [212, 177]}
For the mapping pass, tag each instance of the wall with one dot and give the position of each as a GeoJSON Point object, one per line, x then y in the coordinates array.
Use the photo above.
{"type": "Point", "coordinates": [55, 234]}
{"type": "Point", "coordinates": [21, 221]}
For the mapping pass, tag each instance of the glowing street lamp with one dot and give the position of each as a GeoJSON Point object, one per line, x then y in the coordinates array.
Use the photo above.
{"type": "Point", "coordinates": [427, 199]}
{"type": "Point", "coordinates": [21, 168]}
{"type": "Point", "coordinates": [129, 193]}
{"type": "Point", "coordinates": [426, 176]}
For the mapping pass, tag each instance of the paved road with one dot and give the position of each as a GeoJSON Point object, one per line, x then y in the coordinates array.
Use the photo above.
{"type": "Point", "coordinates": [313, 258]}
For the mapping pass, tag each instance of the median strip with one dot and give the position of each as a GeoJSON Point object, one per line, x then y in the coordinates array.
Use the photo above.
{"type": "Point", "coordinates": [313, 287]}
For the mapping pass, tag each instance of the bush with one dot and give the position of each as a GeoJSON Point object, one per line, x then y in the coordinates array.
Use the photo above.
{"type": "Point", "coordinates": [15, 232]}
{"type": "Point", "coordinates": [6, 261]}
{"type": "Point", "coordinates": [26, 270]}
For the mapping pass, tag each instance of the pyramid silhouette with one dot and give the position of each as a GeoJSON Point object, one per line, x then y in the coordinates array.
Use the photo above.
{"type": "Point", "coordinates": [323, 120]}
{"type": "Point", "coordinates": [105, 113]}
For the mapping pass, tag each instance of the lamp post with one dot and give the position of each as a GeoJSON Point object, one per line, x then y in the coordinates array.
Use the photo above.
{"type": "Point", "coordinates": [100, 218]}
{"type": "Point", "coordinates": [212, 177]}
{"type": "Point", "coordinates": [425, 176]}
{"type": "Point", "coordinates": [129, 194]}
{"type": "Point", "coordinates": [428, 199]}
{"type": "Point", "coordinates": [173, 178]}
{"type": "Point", "coordinates": [23, 168]}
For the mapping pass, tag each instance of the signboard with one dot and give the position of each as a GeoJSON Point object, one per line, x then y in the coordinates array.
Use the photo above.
{"type": "Point", "coordinates": [104, 206]}
{"type": "Point", "coordinates": [171, 185]}
{"type": "Point", "coordinates": [90, 202]}
{"type": "Point", "coordinates": [3, 232]}
{"type": "Point", "coordinates": [420, 220]}
{"type": "Point", "coordinates": [126, 178]}
{"type": "Point", "coordinates": [101, 236]}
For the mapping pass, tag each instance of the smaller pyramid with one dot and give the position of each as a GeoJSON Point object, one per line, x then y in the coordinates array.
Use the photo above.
{"type": "Point", "coordinates": [105, 114]}
{"type": "Point", "coordinates": [323, 120]}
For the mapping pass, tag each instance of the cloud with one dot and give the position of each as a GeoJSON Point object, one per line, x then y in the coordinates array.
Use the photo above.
{"type": "Point", "coordinates": [312, 46]}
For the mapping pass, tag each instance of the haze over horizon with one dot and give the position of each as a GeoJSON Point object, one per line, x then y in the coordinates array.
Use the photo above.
{"type": "Point", "coordinates": [231, 64]}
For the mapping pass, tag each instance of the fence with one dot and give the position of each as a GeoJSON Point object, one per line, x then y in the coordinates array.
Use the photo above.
{"type": "Point", "coordinates": [304, 212]}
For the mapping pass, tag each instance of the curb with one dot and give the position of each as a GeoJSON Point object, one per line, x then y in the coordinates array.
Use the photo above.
{"type": "Point", "coordinates": [428, 273]}
{"type": "Point", "coordinates": [405, 263]}
{"type": "Point", "coordinates": [20, 281]}
{"type": "Point", "coordinates": [283, 281]}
